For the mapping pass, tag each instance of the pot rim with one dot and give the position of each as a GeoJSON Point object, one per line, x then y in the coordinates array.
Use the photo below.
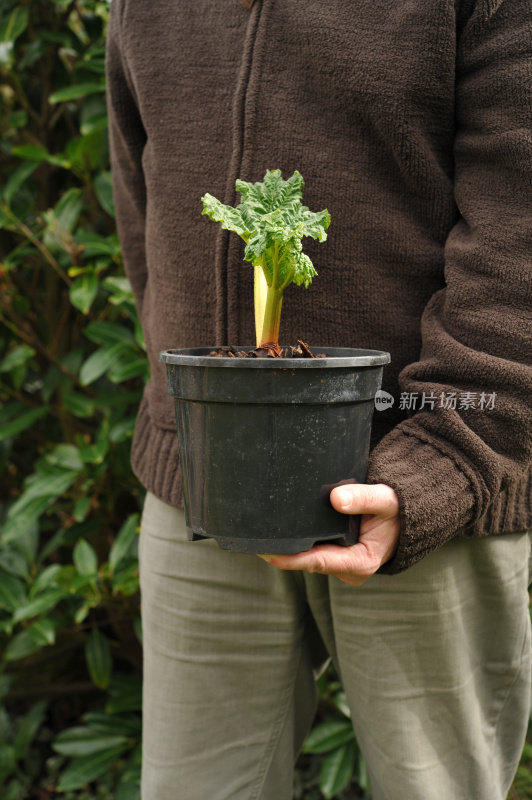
{"type": "Point", "coordinates": [335, 357]}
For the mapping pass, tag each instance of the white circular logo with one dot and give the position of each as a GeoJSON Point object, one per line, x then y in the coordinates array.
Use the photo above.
{"type": "Point", "coordinates": [383, 400]}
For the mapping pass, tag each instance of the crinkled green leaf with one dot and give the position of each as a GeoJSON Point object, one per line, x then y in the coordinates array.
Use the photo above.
{"type": "Point", "coordinates": [272, 221]}
{"type": "Point", "coordinates": [229, 217]}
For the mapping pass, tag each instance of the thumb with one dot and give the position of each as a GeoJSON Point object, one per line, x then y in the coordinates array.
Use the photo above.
{"type": "Point", "coordinates": [364, 498]}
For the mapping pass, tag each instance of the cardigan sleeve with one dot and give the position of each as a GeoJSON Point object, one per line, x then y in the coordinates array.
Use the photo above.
{"type": "Point", "coordinates": [451, 466]}
{"type": "Point", "coordinates": [127, 139]}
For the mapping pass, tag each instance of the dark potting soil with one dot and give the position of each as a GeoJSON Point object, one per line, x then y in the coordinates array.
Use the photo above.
{"type": "Point", "coordinates": [300, 350]}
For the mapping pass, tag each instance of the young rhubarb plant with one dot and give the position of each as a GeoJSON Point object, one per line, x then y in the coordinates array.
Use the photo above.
{"type": "Point", "coordinates": [272, 221]}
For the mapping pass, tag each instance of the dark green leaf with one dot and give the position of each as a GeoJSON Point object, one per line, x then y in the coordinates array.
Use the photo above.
{"type": "Point", "coordinates": [39, 605]}
{"type": "Point", "coordinates": [121, 547]}
{"type": "Point", "coordinates": [84, 290]}
{"type": "Point", "coordinates": [7, 761]}
{"type": "Point", "coordinates": [17, 179]}
{"type": "Point", "coordinates": [38, 486]}
{"type": "Point", "coordinates": [65, 456]}
{"type": "Point", "coordinates": [12, 592]}
{"type": "Point", "coordinates": [85, 769]}
{"type": "Point", "coordinates": [125, 694]}
{"type": "Point", "coordinates": [99, 362]}
{"type": "Point", "coordinates": [103, 187]}
{"type": "Point", "coordinates": [42, 631]}
{"type": "Point", "coordinates": [129, 367]}
{"type": "Point", "coordinates": [99, 659]}
{"type": "Point", "coordinates": [10, 30]}
{"type": "Point", "coordinates": [20, 646]}
{"type": "Point", "coordinates": [79, 404]}
{"type": "Point", "coordinates": [76, 91]}
{"type": "Point", "coordinates": [85, 558]}
{"type": "Point", "coordinates": [116, 724]}
{"type": "Point", "coordinates": [126, 580]}
{"type": "Point", "coordinates": [128, 791]}
{"type": "Point", "coordinates": [96, 245]}
{"type": "Point", "coordinates": [21, 422]}
{"type": "Point", "coordinates": [95, 453]}
{"type": "Point", "coordinates": [122, 430]}
{"type": "Point", "coordinates": [328, 735]}
{"type": "Point", "coordinates": [46, 579]}
{"type": "Point", "coordinates": [13, 563]}
{"type": "Point", "coordinates": [17, 356]}
{"type": "Point", "coordinates": [109, 333]}
{"type": "Point", "coordinates": [67, 210]}
{"type": "Point", "coordinates": [337, 769]}
{"type": "Point", "coordinates": [84, 741]}
{"type": "Point", "coordinates": [28, 727]}
{"type": "Point", "coordinates": [39, 154]}
{"type": "Point", "coordinates": [13, 791]}
{"type": "Point", "coordinates": [81, 508]}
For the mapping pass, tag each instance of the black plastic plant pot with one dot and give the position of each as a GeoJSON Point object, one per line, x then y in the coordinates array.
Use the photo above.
{"type": "Point", "coordinates": [263, 441]}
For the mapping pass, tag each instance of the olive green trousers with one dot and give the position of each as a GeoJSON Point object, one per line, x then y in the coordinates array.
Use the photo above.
{"type": "Point", "coordinates": [435, 663]}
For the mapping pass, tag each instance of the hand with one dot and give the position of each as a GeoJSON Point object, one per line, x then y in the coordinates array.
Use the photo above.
{"type": "Point", "coordinates": [379, 533]}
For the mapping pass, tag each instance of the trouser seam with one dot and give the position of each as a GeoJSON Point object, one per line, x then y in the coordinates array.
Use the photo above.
{"type": "Point", "coordinates": [266, 760]}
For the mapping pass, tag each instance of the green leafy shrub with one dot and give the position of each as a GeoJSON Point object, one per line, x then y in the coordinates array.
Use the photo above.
{"type": "Point", "coordinates": [72, 365]}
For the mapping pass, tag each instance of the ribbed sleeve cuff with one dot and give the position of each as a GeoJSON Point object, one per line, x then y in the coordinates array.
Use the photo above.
{"type": "Point", "coordinates": [155, 459]}
{"type": "Point", "coordinates": [438, 493]}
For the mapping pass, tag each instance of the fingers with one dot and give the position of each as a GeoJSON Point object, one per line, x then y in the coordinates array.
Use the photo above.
{"type": "Point", "coordinates": [363, 498]}
{"type": "Point", "coordinates": [351, 564]}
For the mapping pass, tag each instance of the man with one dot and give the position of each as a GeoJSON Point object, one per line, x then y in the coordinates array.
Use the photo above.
{"type": "Point", "coordinates": [412, 123]}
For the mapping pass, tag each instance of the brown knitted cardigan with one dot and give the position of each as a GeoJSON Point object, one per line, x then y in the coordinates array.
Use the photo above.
{"type": "Point", "coordinates": [412, 122]}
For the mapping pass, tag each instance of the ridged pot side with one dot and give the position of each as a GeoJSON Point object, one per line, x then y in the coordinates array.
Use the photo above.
{"type": "Point", "coordinates": [262, 442]}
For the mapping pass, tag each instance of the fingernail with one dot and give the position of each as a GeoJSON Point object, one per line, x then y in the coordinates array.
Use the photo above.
{"type": "Point", "coordinates": [343, 498]}
{"type": "Point", "coordinates": [265, 557]}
